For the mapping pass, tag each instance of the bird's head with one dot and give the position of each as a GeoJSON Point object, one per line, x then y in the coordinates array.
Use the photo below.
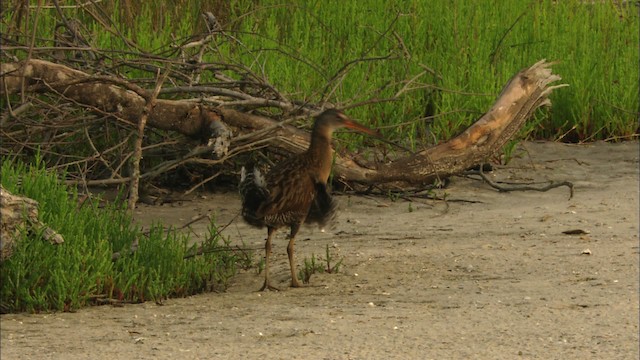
{"type": "Point", "coordinates": [332, 119]}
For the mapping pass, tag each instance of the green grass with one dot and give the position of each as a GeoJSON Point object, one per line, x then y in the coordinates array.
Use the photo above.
{"type": "Point", "coordinates": [40, 276]}
{"type": "Point", "coordinates": [472, 48]}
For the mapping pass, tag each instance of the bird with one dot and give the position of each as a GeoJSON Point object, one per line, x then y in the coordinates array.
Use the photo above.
{"type": "Point", "coordinates": [294, 191]}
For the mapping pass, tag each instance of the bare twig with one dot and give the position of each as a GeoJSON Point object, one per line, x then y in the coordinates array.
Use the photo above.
{"type": "Point", "coordinates": [137, 149]}
{"type": "Point", "coordinates": [492, 56]}
{"type": "Point", "coordinates": [521, 187]}
{"type": "Point", "coordinates": [195, 187]}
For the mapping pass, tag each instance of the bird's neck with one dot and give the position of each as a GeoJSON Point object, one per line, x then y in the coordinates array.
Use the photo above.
{"type": "Point", "coordinates": [321, 153]}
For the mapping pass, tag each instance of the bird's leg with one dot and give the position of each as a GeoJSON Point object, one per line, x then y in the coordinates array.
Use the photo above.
{"type": "Point", "coordinates": [267, 254]}
{"type": "Point", "coordinates": [292, 262]}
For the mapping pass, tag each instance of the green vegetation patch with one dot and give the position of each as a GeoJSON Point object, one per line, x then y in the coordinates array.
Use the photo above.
{"type": "Point", "coordinates": [82, 271]}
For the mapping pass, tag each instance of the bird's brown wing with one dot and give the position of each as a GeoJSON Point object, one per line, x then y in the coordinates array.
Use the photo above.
{"type": "Point", "coordinates": [323, 208]}
{"type": "Point", "coordinates": [291, 192]}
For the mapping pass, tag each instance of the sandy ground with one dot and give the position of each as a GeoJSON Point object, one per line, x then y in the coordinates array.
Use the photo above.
{"type": "Point", "coordinates": [486, 276]}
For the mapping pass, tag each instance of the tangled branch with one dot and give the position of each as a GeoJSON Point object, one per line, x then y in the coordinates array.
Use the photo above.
{"type": "Point", "coordinates": [74, 104]}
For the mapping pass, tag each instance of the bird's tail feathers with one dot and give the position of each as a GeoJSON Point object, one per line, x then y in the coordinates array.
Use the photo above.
{"type": "Point", "coordinates": [253, 191]}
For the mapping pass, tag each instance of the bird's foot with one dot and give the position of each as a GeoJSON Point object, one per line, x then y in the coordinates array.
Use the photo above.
{"type": "Point", "coordinates": [295, 283]}
{"type": "Point", "coordinates": [268, 287]}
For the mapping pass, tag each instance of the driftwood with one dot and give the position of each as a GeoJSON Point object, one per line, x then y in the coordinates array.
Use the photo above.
{"type": "Point", "coordinates": [523, 94]}
{"type": "Point", "coordinates": [229, 132]}
{"type": "Point", "coordinates": [19, 214]}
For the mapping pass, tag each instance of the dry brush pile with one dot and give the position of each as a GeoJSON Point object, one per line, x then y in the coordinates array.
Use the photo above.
{"type": "Point", "coordinates": [187, 121]}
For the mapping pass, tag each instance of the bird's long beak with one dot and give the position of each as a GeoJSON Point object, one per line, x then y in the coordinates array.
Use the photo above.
{"type": "Point", "coordinates": [351, 124]}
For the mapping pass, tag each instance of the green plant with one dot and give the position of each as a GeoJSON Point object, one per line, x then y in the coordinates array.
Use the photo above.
{"type": "Point", "coordinates": [336, 267]}
{"type": "Point", "coordinates": [81, 271]}
{"type": "Point", "coordinates": [508, 151]}
{"type": "Point", "coordinates": [311, 266]}
{"type": "Point", "coordinates": [260, 265]}
{"type": "Point", "coordinates": [314, 265]}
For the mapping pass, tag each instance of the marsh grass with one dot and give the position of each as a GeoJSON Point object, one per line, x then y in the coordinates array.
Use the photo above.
{"type": "Point", "coordinates": [471, 49]}
{"type": "Point", "coordinates": [42, 277]}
